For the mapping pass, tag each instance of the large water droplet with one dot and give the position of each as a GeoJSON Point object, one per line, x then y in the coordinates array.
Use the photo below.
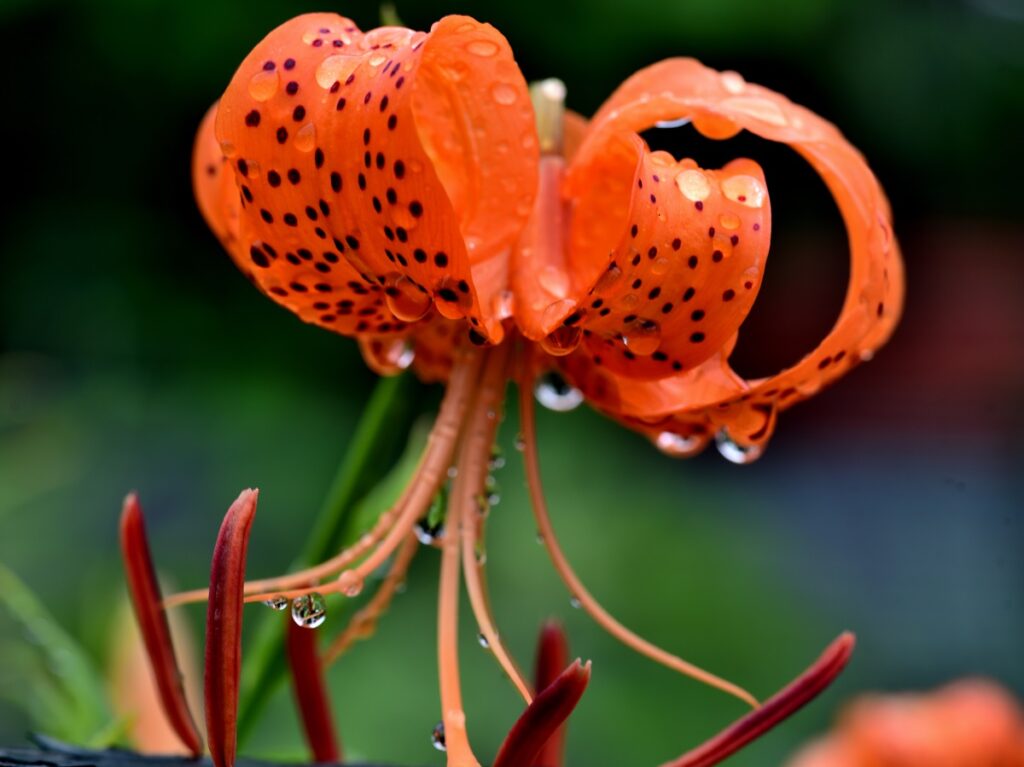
{"type": "Point", "coordinates": [278, 603]}
{"type": "Point", "coordinates": [562, 341]}
{"type": "Point", "coordinates": [335, 69]}
{"type": "Point", "coordinates": [483, 48]}
{"type": "Point", "coordinates": [305, 138]}
{"type": "Point", "coordinates": [642, 337]}
{"type": "Point", "coordinates": [734, 452]}
{"type": "Point", "coordinates": [450, 301]}
{"type": "Point", "coordinates": [309, 610]}
{"type": "Point", "coordinates": [263, 85]}
{"type": "Point", "coordinates": [350, 583]}
{"type": "Point", "coordinates": [437, 737]}
{"type": "Point", "coordinates": [377, 59]}
{"type": "Point", "coordinates": [678, 446]}
{"type": "Point", "coordinates": [406, 299]}
{"type": "Point", "coordinates": [744, 189]}
{"type": "Point", "coordinates": [503, 94]}
{"type": "Point", "coordinates": [554, 393]}
{"type": "Point", "coordinates": [694, 185]}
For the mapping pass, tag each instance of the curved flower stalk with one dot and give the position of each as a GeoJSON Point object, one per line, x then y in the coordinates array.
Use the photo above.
{"type": "Point", "coordinates": [409, 190]}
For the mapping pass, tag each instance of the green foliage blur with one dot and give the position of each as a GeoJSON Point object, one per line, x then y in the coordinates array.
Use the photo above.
{"type": "Point", "coordinates": [134, 356]}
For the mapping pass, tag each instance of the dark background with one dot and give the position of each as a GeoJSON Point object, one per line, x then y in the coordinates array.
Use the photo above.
{"type": "Point", "coordinates": [133, 355]}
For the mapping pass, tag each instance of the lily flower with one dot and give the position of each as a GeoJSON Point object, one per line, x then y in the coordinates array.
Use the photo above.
{"type": "Point", "coordinates": [408, 189]}
{"type": "Point", "coordinates": [967, 723]}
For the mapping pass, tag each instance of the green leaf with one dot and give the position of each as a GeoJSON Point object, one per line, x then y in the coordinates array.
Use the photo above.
{"type": "Point", "coordinates": [49, 675]}
{"type": "Point", "coordinates": [375, 447]}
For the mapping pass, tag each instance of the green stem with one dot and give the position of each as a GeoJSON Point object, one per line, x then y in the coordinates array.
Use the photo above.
{"type": "Point", "coordinates": [378, 441]}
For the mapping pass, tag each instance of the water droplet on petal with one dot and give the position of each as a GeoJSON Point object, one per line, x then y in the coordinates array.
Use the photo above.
{"type": "Point", "coordinates": [554, 393]}
{"type": "Point", "coordinates": [309, 610]}
{"type": "Point", "coordinates": [729, 221]}
{"type": "Point", "coordinates": [406, 299]}
{"type": "Point", "coordinates": [437, 737]}
{"type": "Point", "coordinates": [278, 603]}
{"type": "Point", "coordinates": [733, 82]}
{"type": "Point", "coordinates": [608, 278]}
{"type": "Point", "coordinates": [377, 59]}
{"type": "Point", "coordinates": [677, 445]}
{"type": "Point", "coordinates": [562, 341]}
{"type": "Point", "coordinates": [350, 583]}
{"type": "Point", "coordinates": [503, 94]}
{"type": "Point", "coordinates": [305, 138]}
{"type": "Point", "coordinates": [503, 304]}
{"type": "Point", "coordinates": [228, 149]}
{"type": "Point", "coordinates": [744, 189]}
{"type": "Point", "coordinates": [642, 337]}
{"type": "Point", "coordinates": [734, 452]}
{"type": "Point", "coordinates": [679, 123]}
{"type": "Point", "coordinates": [335, 69]}
{"type": "Point", "coordinates": [483, 48]}
{"type": "Point", "coordinates": [758, 108]}
{"type": "Point", "coordinates": [694, 185]}
{"type": "Point", "coordinates": [661, 266]}
{"type": "Point", "coordinates": [263, 85]}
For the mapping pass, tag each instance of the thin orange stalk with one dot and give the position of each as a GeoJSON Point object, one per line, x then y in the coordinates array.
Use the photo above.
{"type": "Point", "coordinates": [311, 694]}
{"type": "Point", "coordinates": [473, 469]}
{"type": "Point", "coordinates": [364, 622]}
{"type": "Point", "coordinates": [156, 634]}
{"type": "Point", "coordinates": [224, 628]}
{"type": "Point", "coordinates": [776, 709]}
{"type": "Point", "coordinates": [572, 581]}
{"type": "Point", "coordinates": [395, 522]}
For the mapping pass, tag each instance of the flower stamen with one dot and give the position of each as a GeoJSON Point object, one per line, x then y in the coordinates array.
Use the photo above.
{"type": "Point", "coordinates": [572, 581]}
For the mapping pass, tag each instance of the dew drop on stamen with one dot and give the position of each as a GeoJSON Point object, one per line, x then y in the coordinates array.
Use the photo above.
{"type": "Point", "coordinates": [482, 640]}
{"type": "Point", "coordinates": [574, 603]}
{"type": "Point", "coordinates": [278, 603]}
{"type": "Point", "coordinates": [554, 393]}
{"type": "Point", "coordinates": [520, 443]}
{"type": "Point", "coordinates": [309, 610]}
{"type": "Point", "coordinates": [734, 452]}
{"type": "Point", "coordinates": [437, 737]}
{"type": "Point", "coordinates": [264, 84]}
{"type": "Point", "coordinates": [350, 584]}
{"type": "Point", "coordinates": [676, 445]}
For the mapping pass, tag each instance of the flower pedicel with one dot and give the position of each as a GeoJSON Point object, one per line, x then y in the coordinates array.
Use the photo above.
{"type": "Point", "coordinates": [408, 189]}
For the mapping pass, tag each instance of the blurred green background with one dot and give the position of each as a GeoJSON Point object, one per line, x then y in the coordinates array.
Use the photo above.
{"type": "Point", "coordinates": [133, 355]}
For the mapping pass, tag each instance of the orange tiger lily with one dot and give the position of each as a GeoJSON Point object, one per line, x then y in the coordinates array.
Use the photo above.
{"type": "Point", "coordinates": [408, 189]}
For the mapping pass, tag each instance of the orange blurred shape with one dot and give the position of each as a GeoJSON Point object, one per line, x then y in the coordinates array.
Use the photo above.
{"type": "Point", "coordinates": [133, 690]}
{"type": "Point", "coordinates": [969, 723]}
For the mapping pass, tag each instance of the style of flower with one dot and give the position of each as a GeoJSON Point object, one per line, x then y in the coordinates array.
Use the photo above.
{"type": "Point", "coordinates": [968, 723]}
{"type": "Point", "coordinates": [410, 190]}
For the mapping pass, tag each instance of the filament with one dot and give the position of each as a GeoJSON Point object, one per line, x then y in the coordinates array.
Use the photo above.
{"type": "Point", "coordinates": [474, 454]}
{"type": "Point", "coordinates": [364, 622]}
{"type": "Point", "coordinates": [413, 503]}
{"type": "Point", "coordinates": [572, 581]}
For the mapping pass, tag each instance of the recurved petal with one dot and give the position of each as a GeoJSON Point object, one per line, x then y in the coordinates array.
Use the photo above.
{"type": "Point", "coordinates": [543, 717]}
{"type": "Point", "coordinates": [334, 141]}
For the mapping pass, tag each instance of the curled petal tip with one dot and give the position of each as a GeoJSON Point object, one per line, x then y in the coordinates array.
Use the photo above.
{"type": "Point", "coordinates": [542, 718]}
{"type": "Point", "coordinates": [224, 628]}
{"type": "Point", "coordinates": [144, 591]}
{"type": "Point", "coordinates": [776, 709]}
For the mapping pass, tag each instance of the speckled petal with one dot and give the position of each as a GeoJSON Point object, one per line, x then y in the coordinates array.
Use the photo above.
{"type": "Point", "coordinates": [721, 104]}
{"type": "Point", "coordinates": [324, 129]}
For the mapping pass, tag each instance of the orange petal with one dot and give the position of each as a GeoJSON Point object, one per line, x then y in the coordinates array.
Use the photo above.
{"type": "Point", "coordinates": [720, 105]}
{"type": "Point", "coordinates": [224, 628]}
{"type": "Point", "coordinates": [156, 634]}
{"type": "Point", "coordinates": [334, 144]}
